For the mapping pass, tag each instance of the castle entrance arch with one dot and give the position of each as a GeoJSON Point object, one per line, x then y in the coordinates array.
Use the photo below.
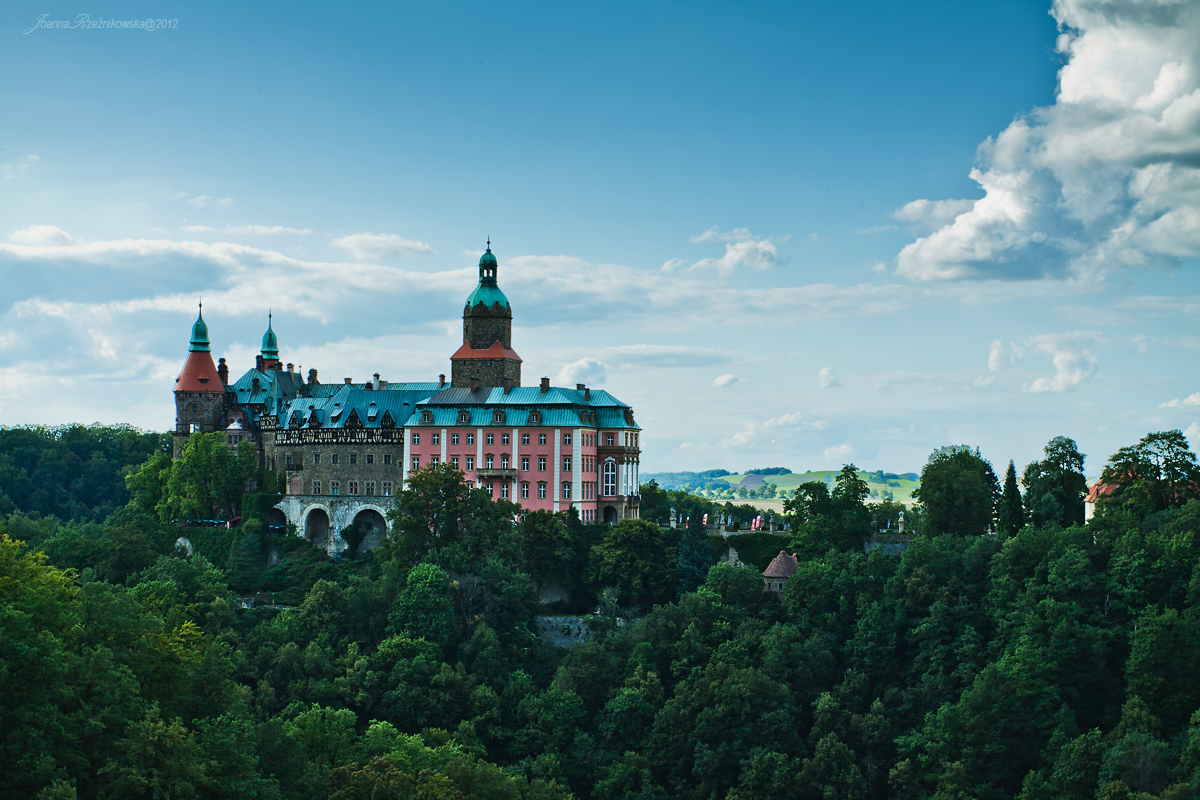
{"type": "Point", "coordinates": [316, 528]}
{"type": "Point", "coordinates": [370, 529]}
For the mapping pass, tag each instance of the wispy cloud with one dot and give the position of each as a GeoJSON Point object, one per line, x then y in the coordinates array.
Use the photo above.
{"type": "Point", "coordinates": [381, 246]}
{"type": "Point", "coordinates": [1192, 399]}
{"type": "Point", "coordinates": [19, 167]}
{"type": "Point", "coordinates": [1073, 362]}
{"type": "Point", "coordinates": [742, 249]}
{"type": "Point", "coordinates": [45, 235]}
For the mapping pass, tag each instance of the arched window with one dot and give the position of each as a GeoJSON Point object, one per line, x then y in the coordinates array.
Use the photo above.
{"type": "Point", "coordinates": [610, 478]}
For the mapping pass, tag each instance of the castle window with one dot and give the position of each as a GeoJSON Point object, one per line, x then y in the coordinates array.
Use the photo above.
{"type": "Point", "coordinates": [370, 488]}
{"type": "Point", "coordinates": [504, 461]}
{"type": "Point", "coordinates": [525, 491]}
{"type": "Point", "coordinates": [541, 490]}
{"type": "Point", "coordinates": [567, 464]}
{"type": "Point", "coordinates": [524, 438]}
{"type": "Point", "coordinates": [454, 461]}
{"type": "Point", "coordinates": [416, 463]}
{"type": "Point", "coordinates": [489, 461]}
{"type": "Point", "coordinates": [454, 438]}
{"type": "Point", "coordinates": [566, 491]}
{"type": "Point", "coordinates": [608, 439]}
{"type": "Point", "coordinates": [566, 438]}
{"type": "Point", "coordinates": [316, 457]}
{"type": "Point", "coordinates": [334, 487]}
{"type": "Point", "coordinates": [489, 490]}
{"type": "Point", "coordinates": [353, 487]}
{"type": "Point", "coordinates": [491, 438]}
{"type": "Point", "coordinates": [387, 458]}
{"type": "Point", "coordinates": [387, 488]}
{"type": "Point", "coordinates": [504, 438]}
{"type": "Point", "coordinates": [541, 463]}
{"type": "Point", "coordinates": [287, 460]}
{"type": "Point", "coordinates": [464, 417]}
{"type": "Point", "coordinates": [434, 461]}
{"type": "Point", "coordinates": [195, 407]}
{"type": "Point", "coordinates": [195, 427]}
{"type": "Point", "coordinates": [525, 463]}
{"type": "Point", "coordinates": [504, 491]}
{"type": "Point", "coordinates": [370, 458]}
{"type": "Point", "coordinates": [354, 458]}
{"type": "Point", "coordinates": [470, 463]}
{"type": "Point", "coordinates": [333, 458]}
{"type": "Point", "coordinates": [435, 438]}
{"type": "Point", "coordinates": [426, 417]}
{"type": "Point", "coordinates": [470, 438]}
{"type": "Point", "coordinates": [610, 478]}
{"type": "Point", "coordinates": [416, 438]}
{"type": "Point", "coordinates": [316, 489]}
{"type": "Point", "coordinates": [541, 438]}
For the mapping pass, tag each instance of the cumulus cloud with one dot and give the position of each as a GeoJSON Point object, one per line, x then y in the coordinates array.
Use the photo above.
{"type": "Point", "coordinates": [1106, 177]}
{"type": "Point", "coordinates": [826, 378]}
{"type": "Point", "coordinates": [728, 379]}
{"type": "Point", "coordinates": [1191, 400]}
{"type": "Point", "coordinates": [932, 214]}
{"type": "Point", "coordinates": [839, 452]}
{"type": "Point", "coordinates": [380, 246]}
{"type": "Point", "coordinates": [45, 235]}
{"type": "Point", "coordinates": [1073, 362]}
{"type": "Point", "coordinates": [1193, 433]}
{"type": "Point", "coordinates": [742, 249]}
{"type": "Point", "coordinates": [999, 355]}
{"type": "Point", "coordinates": [586, 370]}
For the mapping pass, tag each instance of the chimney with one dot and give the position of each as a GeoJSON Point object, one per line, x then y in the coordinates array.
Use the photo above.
{"type": "Point", "coordinates": [258, 361]}
{"type": "Point", "coordinates": [255, 386]}
{"type": "Point", "coordinates": [507, 385]}
{"type": "Point", "coordinates": [312, 376]}
{"type": "Point", "coordinates": [474, 384]}
{"type": "Point", "coordinates": [376, 380]}
{"type": "Point", "coordinates": [347, 380]}
{"type": "Point", "coordinates": [223, 371]}
{"type": "Point", "coordinates": [587, 393]}
{"type": "Point", "coordinates": [545, 385]}
{"type": "Point", "coordinates": [291, 368]}
{"type": "Point", "coordinates": [579, 387]}
{"type": "Point", "coordinates": [369, 386]}
{"type": "Point", "coordinates": [441, 381]}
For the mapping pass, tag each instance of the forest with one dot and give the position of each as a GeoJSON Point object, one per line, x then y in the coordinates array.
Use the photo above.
{"type": "Point", "coordinates": [1013, 650]}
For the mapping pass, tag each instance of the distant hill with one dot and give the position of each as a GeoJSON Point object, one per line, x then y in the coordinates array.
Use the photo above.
{"type": "Point", "coordinates": [899, 484]}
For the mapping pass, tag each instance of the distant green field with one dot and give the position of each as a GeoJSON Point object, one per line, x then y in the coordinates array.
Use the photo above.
{"type": "Point", "coordinates": [901, 488]}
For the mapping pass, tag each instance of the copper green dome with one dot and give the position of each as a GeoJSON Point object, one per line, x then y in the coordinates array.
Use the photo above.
{"type": "Point", "coordinates": [270, 344]}
{"type": "Point", "coordinates": [199, 334]}
{"type": "Point", "coordinates": [488, 291]}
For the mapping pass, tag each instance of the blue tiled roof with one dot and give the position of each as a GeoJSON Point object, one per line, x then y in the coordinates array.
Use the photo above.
{"type": "Point", "coordinates": [334, 408]}
{"type": "Point", "coordinates": [274, 387]}
{"type": "Point", "coordinates": [560, 407]}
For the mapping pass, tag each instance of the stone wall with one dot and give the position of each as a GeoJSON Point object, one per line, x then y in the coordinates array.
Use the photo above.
{"type": "Point", "coordinates": [304, 462]}
{"type": "Point", "coordinates": [320, 519]}
{"type": "Point", "coordinates": [488, 371]}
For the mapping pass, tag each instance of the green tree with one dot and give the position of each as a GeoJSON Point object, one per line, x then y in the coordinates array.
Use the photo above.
{"type": "Point", "coordinates": [637, 557]}
{"type": "Point", "coordinates": [1011, 512]}
{"type": "Point", "coordinates": [549, 546]}
{"type": "Point", "coordinates": [208, 479]}
{"type": "Point", "coordinates": [958, 492]}
{"type": "Point", "coordinates": [695, 556]}
{"type": "Point", "coordinates": [1059, 477]}
{"type": "Point", "coordinates": [1158, 472]}
{"type": "Point", "coordinates": [423, 609]}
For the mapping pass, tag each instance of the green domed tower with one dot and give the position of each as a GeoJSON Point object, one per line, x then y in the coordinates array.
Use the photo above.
{"type": "Point", "coordinates": [486, 356]}
{"type": "Point", "coordinates": [270, 346]}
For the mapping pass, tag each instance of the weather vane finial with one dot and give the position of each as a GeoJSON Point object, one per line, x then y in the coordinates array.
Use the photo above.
{"type": "Point", "coordinates": [489, 243]}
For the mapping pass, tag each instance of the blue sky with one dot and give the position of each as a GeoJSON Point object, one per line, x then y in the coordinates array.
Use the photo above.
{"type": "Point", "coordinates": [756, 223]}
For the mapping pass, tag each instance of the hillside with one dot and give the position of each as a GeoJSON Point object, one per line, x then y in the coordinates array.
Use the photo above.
{"type": "Point", "coordinates": [901, 485]}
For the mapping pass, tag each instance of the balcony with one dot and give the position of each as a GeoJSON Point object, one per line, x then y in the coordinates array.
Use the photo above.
{"type": "Point", "coordinates": [484, 472]}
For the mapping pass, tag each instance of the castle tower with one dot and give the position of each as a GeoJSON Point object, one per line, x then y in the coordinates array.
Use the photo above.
{"type": "Point", "coordinates": [486, 355]}
{"type": "Point", "coordinates": [201, 396]}
{"type": "Point", "coordinates": [270, 347]}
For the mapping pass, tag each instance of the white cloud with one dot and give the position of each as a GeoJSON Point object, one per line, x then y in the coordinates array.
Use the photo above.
{"type": "Point", "coordinates": [1073, 362]}
{"type": "Point", "coordinates": [815, 237]}
{"type": "Point", "coordinates": [826, 378]}
{"type": "Point", "coordinates": [226, 202]}
{"type": "Point", "coordinates": [381, 246]}
{"type": "Point", "coordinates": [741, 249]}
{"type": "Point", "coordinates": [999, 355]}
{"type": "Point", "coordinates": [1106, 177]}
{"type": "Point", "coordinates": [21, 165]}
{"type": "Point", "coordinates": [200, 201]}
{"type": "Point", "coordinates": [932, 214]}
{"type": "Point", "coordinates": [728, 379]}
{"type": "Point", "coordinates": [45, 235]}
{"type": "Point", "coordinates": [1191, 400]}
{"type": "Point", "coordinates": [1193, 433]}
{"type": "Point", "coordinates": [839, 452]}
{"type": "Point", "coordinates": [586, 370]}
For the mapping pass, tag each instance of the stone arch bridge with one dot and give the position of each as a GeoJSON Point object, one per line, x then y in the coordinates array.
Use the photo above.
{"type": "Point", "coordinates": [321, 519]}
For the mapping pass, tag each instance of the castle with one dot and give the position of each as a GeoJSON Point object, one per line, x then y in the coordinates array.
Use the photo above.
{"type": "Point", "coordinates": [346, 449]}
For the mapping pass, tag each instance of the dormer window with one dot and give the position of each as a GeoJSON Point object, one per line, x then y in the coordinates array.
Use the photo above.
{"type": "Point", "coordinates": [427, 417]}
{"type": "Point", "coordinates": [535, 417]}
{"type": "Point", "coordinates": [498, 416]}
{"type": "Point", "coordinates": [464, 417]}
{"type": "Point", "coordinates": [372, 412]}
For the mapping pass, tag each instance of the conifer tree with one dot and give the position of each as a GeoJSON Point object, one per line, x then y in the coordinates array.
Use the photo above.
{"type": "Point", "coordinates": [1012, 513]}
